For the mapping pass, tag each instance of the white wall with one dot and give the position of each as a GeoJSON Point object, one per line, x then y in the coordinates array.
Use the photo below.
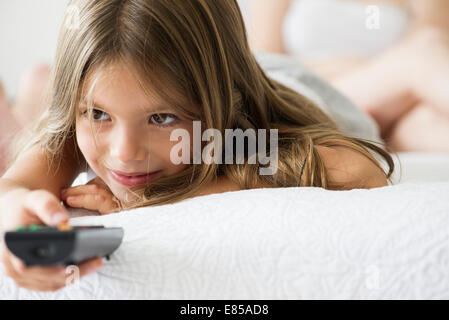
{"type": "Point", "coordinates": [28, 35]}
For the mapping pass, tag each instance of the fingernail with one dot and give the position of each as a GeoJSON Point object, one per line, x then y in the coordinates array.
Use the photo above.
{"type": "Point", "coordinates": [59, 217]}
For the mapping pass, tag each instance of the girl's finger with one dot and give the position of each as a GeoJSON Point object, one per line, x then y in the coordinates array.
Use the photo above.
{"type": "Point", "coordinates": [79, 190]}
{"type": "Point", "coordinates": [86, 201]}
{"type": "Point", "coordinates": [41, 272]}
{"type": "Point", "coordinates": [25, 280]}
{"type": "Point", "coordinates": [36, 272]}
{"type": "Point", "coordinates": [18, 265]}
{"type": "Point", "coordinates": [95, 202]}
{"type": "Point", "coordinates": [46, 206]}
{"type": "Point", "coordinates": [53, 277]}
{"type": "Point", "coordinates": [14, 264]}
{"type": "Point", "coordinates": [99, 182]}
{"type": "Point", "coordinates": [52, 284]}
{"type": "Point", "coordinates": [32, 285]}
{"type": "Point", "coordinates": [41, 278]}
{"type": "Point", "coordinates": [44, 278]}
{"type": "Point", "coordinates": [90, 266]}
{"type": "Point", "coordinates": [109, 206]}
{"type": "Point", "coordinates": [10, 269]}
{"type": "Point", "coordinates": [41, 283]}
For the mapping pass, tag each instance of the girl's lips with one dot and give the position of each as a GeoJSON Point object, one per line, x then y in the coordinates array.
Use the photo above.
{"type": "Point", "coordinates": [135, 180]}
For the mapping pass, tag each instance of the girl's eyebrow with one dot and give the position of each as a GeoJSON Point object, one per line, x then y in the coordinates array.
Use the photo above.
{"type": "Point", "coordinates": [158, 108]}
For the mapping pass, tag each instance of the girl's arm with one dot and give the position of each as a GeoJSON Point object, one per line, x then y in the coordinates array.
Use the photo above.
{"type": "Point", "coordinates": [351, 169]}
{"type": "Point", "coordinates": [29, 193]}
{"type": "Point", "coordinates": [344, 167]}
{"type": "Point", "coordinates": [266, 19]}
{"type": "Point", "coordinates": [30, 171]}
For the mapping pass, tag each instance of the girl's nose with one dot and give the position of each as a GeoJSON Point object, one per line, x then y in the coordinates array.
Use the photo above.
{"type": "Point", "coordinates": [127, 145]}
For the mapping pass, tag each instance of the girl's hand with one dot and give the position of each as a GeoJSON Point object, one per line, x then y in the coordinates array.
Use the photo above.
{"type": "Point", "coordinates": [95, 195]}
{"type": "Point", "coordinates": [22, 207]}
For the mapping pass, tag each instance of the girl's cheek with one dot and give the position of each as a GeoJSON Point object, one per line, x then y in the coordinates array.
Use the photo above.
{"type": "Point", "coordinates": [86, 144]}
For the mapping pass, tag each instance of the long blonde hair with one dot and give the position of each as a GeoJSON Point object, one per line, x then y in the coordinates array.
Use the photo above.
{"type": "Point", "coordinates": [198, 49]}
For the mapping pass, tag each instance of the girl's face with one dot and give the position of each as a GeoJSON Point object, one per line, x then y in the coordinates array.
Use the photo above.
{"type": "Point", "coordinates": [132, 132]}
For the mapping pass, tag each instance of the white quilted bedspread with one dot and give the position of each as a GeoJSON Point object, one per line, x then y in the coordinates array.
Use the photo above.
{"type": "Point", "coordinates": [289, 243]}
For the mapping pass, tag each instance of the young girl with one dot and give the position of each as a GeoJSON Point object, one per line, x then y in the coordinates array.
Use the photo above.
{"type": "Point", "coordinates": [131, 73]}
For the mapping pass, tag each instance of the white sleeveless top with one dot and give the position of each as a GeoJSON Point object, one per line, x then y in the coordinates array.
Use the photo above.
{"type": "Point", "coordinates": [324, 29]}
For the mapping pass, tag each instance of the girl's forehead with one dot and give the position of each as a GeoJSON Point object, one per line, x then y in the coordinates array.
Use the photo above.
{"type": "Point", "coordinates": [111, 74]}
{"type": "Point", "coordinates": [121, 80]}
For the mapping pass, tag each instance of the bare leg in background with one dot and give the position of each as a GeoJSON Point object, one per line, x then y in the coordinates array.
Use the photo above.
{"type": "Point", "coordinates": [406, 90]}
{"type": "Point", "coordinates": [28, 106]}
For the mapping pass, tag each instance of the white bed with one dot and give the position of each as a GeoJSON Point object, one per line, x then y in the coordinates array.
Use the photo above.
{"type": "Point", "coordinates": [285, 243]}
{"type": "Point", "coordinates": [289, 243]}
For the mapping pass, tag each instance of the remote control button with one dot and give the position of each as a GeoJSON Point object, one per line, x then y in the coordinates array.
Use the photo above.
{"type": "Point", "coordinates": [21, 228]}
{"type": "Point", "coordinates": [88, 227]}
{"type": "Point", "coordinates": [44, 251]}
{"type": "Point", "coordinates": [34, 227]}
{"type": "Point", "coordinates": [64, 227]}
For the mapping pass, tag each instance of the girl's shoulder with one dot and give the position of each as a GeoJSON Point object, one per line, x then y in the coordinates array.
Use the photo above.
{"type": "Point", "coordinates": [344, 166]}
{"type": "Point", "coordinates": [219, 185]}
{"type": "Point", "coordinates": [351, 169]}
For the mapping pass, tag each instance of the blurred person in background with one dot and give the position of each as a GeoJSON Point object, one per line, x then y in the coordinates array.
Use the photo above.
{"type": "Point", "coordinates": [19, 114]}
{"type": "Point", "coordinates": [390, 57]}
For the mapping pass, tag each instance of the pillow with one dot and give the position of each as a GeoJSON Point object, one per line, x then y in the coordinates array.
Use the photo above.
{"type": "Point", "coordinates": [283, 243]}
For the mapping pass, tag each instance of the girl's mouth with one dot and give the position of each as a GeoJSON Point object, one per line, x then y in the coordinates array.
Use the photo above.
{"type": "Point", "coordinates": [131, 181]}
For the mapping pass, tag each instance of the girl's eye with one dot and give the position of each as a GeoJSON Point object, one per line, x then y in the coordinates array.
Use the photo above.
{"type": "Point", "coordinates": [160, 119]}
{"type": "Point", "coordinates": [163, 119]}
{"type": "Point", "coordinates": [97, 115]}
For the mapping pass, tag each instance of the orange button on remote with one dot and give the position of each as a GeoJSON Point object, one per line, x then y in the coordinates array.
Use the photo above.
{"type": "Point", "coordinates": [64, 227]}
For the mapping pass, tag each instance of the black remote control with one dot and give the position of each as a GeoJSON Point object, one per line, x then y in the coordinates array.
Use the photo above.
{"type": "Point", "coordinates": [62, 245]}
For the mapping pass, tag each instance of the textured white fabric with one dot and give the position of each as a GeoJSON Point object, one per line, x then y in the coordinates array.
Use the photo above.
{"type": "Point", "coordinates": [90, 174]}
{"type": "Point", "coordinates": [287, 243]}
